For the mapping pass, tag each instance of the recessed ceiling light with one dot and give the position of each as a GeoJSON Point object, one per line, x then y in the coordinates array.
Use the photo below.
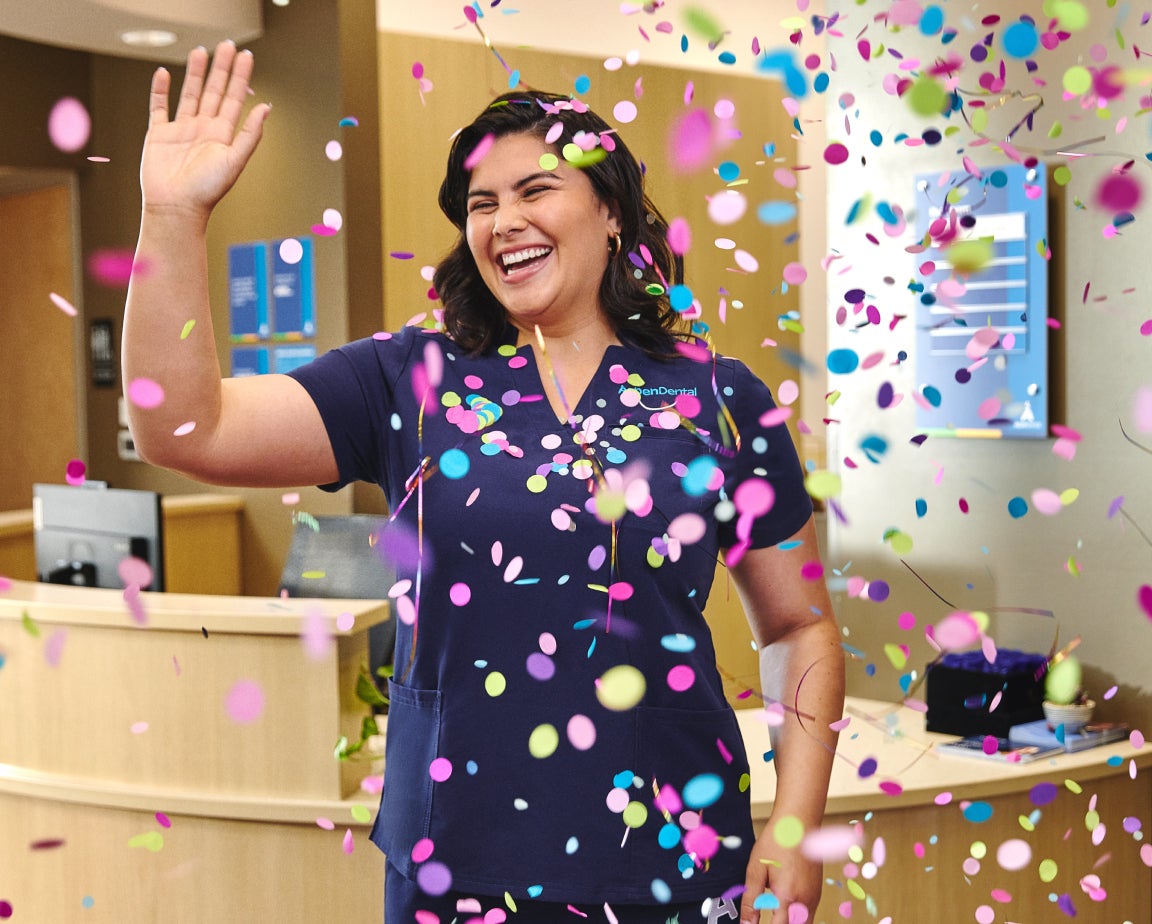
{"type": "Point", "coordinates": [149, 38]}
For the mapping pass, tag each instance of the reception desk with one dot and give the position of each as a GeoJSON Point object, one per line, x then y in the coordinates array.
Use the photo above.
{"type": "Point", "coordinates": [181, 770]}
{"type": "Point", "coordinates": [174, 762]}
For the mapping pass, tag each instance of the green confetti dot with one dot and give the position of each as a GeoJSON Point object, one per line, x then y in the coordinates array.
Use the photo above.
{"type": "Point", "coordinates": [823, 484]}
{"type": "Point", "coordinates": [1062, 176]}
{"type": "Point", "coordinates": [1072, 15]}
{"type": "Point", "coordinates": [1048, 870]}
{"type": "Point", "coordinates": [495, 684]}
{"type": "Point", "coordinates": [1073, 786]}
{"type": "Point", "coordinates": [361, 814]}
{"type": "Point", "coordinates": [979, 850]}
{"type": "Point", "coordinates": [901, 542]}
{"type": "Point", "coordinates": [926, 97]}
{"type": "Point", "coordinates": [1091, 820]}
{"type": "Point", "coordinates": [549, 161]}
{"type": "Point", "coordinates": [537, 483]}
{"type": "Point", "coordinates": [1077, 80]}
{"type": "Point", "coordinates": [152, 841]}
{"type": "Point", "coordinates": [506, 349]}
{"type": "Point", "coordinates": [789, 832]}
{"type": "Point", "coordinates": [187, 330]}
{"type": "Point", "coordinates": [857, 890]}
{"type": "Point", "coordinates": [630, 433]}
{"type": "Point", "coordinates": [543, 741]}
{"type": "Point", "coordinates": [635, 814]}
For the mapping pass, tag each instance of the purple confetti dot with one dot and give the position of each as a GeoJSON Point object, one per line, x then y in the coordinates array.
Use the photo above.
{"type": "Point", "coordinates": [878, 591]}
{"type": "Point", "coordinates": [1043, 794]}
{"type": "Point", "coordinates": [434, 878]}
{"type": "Point", "coordinates": [867, 768]}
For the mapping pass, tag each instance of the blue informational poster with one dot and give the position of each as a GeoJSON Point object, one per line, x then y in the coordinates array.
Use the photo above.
{"type": "Point", "coordinates": [287, 358]}
{"type": "Point", "coordinates": [293, 290]}
{"type": "Point", "coordinates": [982, 318]}
{"type": "Point", "coordinates": [248, 292]}
{"type": "Point", "coordinates": [249, 360]}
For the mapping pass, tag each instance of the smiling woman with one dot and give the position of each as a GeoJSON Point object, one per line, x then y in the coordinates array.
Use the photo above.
{"type": "Point", "coordinates": [540, 451]}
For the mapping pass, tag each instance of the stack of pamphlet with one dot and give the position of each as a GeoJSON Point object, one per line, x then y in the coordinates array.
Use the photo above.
{"type": "Point", "coordinates": [1038, 734]}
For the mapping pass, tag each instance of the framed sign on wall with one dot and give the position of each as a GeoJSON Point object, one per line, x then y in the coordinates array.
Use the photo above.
{"type": "Point", "coordinates": [982, 286]}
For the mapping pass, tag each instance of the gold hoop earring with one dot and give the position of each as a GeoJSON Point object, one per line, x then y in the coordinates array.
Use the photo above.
{"type": "Point", "coordinates": [615, 245]}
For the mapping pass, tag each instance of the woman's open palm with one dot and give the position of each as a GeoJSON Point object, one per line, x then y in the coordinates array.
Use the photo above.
{"type": "Point", "coordinates": [191, 161]}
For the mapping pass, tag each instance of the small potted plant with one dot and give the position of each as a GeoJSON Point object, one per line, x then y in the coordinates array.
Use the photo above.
{"type": "Point", "coordinates": [1065, 701]}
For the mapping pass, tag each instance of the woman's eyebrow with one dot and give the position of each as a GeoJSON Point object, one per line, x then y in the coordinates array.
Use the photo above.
{"type": "Point", "coordinates": [518, 185]}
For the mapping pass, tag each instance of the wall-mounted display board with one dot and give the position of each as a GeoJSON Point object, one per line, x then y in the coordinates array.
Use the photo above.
{"type": "Point", "coordinates": [981, 321]}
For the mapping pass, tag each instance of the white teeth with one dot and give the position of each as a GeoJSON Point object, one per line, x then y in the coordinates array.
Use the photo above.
{"type": "Point", "coordinates": [511, 259]}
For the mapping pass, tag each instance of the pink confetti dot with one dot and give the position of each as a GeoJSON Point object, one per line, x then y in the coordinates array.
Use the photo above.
{"type": "Point", "coordinates": [1014, 854]}
{"type": "Point", "coordinates": [440, 769]}
{"type": "Point", "coordinates": [63, 304]}
{"type": "Point", "coordinates": [291, 251]}
{"type": "Point", "coordinates": [349, 844]}
{"type": "Point", "coordinates": [145, 393]}
{"type": "Point", "coordinates": [245, 702]}
{"type": "Point", "coordinates": [422, 850]}
{"type": "Point", "coordinates": [345, 622]}
{"type": "Point", "coordinates": [1119, 193]}
{"type": "Point", "coordinates": [581, 732]}
{"type": "Point", "coordinates": [795, 274]}
{"type": "Point", "coordinates": [754, 497]}
{"type": "Point", "coordinates": [185, 428]}
{"type": "Point", "coordinates": [138, 728]}
{"type": "Point", "coordinates": [69, 124]}
{"type": "Point", "coordinates": [681, 677]}
{"type": "Point", "coordinates": [134, 570]}
{"type": "Point", "coordinates": [624, 111]}
{"type": "Point", "coordinates": [477, 154]}
{"type": "Point", "coordinates": [1046, 501]}
{"type": "Point", "coordinates": [1146, 328]}
{"type": "Point", "coordinates": [326, 823]}
{"type": "Point", "coordinates": [460, 594]}
{"type": "Point", "coordinates": [680, 238]}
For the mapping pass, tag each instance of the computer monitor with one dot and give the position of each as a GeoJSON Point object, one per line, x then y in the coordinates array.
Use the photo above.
{"type": "Point", "coordinates": [83, 533]}
{"type": "Point", "coordinates": [336, 556]}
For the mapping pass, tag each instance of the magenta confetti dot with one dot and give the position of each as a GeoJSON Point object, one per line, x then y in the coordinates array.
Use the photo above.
{"type": "Point", "coordinates": [1119, 193]}
{"type": "Point", "coordinates": [434, 878]}
{"type": "Point", "coordinates": [891, 788]}
{"type": "Point", "coordinates": [1145, 597]}
{"type": "Point", "coordinates": [114, 268]}
{"type": "Point", "coordinates": [835, 154]}
{"type": "Point", "coordinates": [812, 571]}
{"type": "Point", "coordinates": [906, 621]}
{"type": "Point", "coordinates": [990, 745]}
{"type": "Point", "coordinates": [245, 702]}
{"type": "Point", "coordinates": [74, 472]}
{"type": "Point", "coordinates": [145, 393]}
{"type": "Point", "coordinates": [440, 769]}
{"type": "Point", "coordinates": [5, 909]}
{"type": "Point", "coordinates": [681, 677]}
{"type": "Point", "coordinates": [690, 144]}
{"type": "Point", "coordinates": [422, 850]}
{"type": "Point", "coordinates": [163, 820]}
{"type": "Point", "coordinates": [680, 238]}
{"type": "Point", "coordinates": [1146, 328]}
{"type": "Point", "coordinates": [69, 124]}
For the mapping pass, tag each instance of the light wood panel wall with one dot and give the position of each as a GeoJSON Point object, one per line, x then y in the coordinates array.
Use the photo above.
{"type": "Point", "coordinates": [415, 137]}
{"type": "Point", "coordinates": [38, 348]}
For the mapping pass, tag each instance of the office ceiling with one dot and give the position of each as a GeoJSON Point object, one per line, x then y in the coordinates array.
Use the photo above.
{"type": "Point", "coordinates": [97, 25]}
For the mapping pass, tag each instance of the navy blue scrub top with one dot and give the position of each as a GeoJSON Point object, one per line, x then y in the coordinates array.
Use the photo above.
{"type": "Point", "coordinates": [557, 726]}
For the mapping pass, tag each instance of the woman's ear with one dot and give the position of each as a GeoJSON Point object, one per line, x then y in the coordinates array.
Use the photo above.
{"type": "Point", "coordinates": [615, 225]}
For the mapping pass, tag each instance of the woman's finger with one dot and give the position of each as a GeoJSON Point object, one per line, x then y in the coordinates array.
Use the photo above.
{"type": "Point", "coordinates": [158, 97]}
{"type": "Point", "coordinates": [217, 81]}
{"type": "Point", "coordinates": [237, 94]}
{"type": "Point", "coordinates": [189, 102]}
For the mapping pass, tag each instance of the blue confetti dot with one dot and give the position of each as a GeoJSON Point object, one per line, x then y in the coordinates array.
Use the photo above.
{"type": "Point", "coordinates": [843, 361]}
{"type": "Point", "coordinates": [998, 178]}
{"type": "Point", "coordinates": [776, 213]}
{"type": "Point", "coordinates": [513, 80]}
{"type": "Point", "coordinates": [874, 447]}
{"type": "Point", "coordinates": [766, 902]}
{"type": "Point", "coordinates": [931, 20]}
{"type": "Point", "coordinates": [661, 892]}
{"type": "Point", "coordinates": [471, 767]}
{"type": "Point", "coordinates": [571, 846]}
{"type": "Point", "coordinates": [702, 790]}
{"type": "Point", "coordinates": [679, 642]}
{"type": "Point", "coordinates": [683, 43]}
{"type": "Point", "coordinates": [870, 670]}
{"type": "Point", "coordinates": [1017, 507]}
{"type": "Point", "coordinates": [87, 901]}
{"type": "Point", "coordinates": [1020, 40]}
{"type": "Point", "coordinates": [615, 456]}
{"type": "Point", "coordinates": [921, 507]}
{"type": "Point", "coordinates": [876, 138]}
{"type": "Point", "coordinates": [669, 836]}
{"type": "Point", "coordinates": [396, 422]}
{"type": "Point", "coordinates": [726, 57]}
{"type": "Point", "coordinates": [1115, 760]}
{"type": "Point", "coordinates": [978, 812]}
{"type": "Point", "coordinates": [454, 463]}
{"type": "Point", "coordinates": [728, 171]}
{"type": "Point", "coordinates": [699, 473]}
{"type": "Point", "coordinates": [932, 395]}
{"type": "Point", "coordinates": [820, 84]}
{"type": "Point", "coordinates": [886, 213]}
{"type": "Point", "coordinates": [534, 891]}
{"type": "Point", "coordinates": [623, 779]}
{"type": "Point", "coordinates": [583, 83]}
{"type": "Point", "coordinates": [680, 297]}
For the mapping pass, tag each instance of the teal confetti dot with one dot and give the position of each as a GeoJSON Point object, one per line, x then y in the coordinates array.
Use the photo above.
{"type": "Point", "coordinates": [1115, 760]}
{"type": "Point", "coordinates": [932, 395]}
{"type": "Point", "coordinates": [669, 836]}
{"type": "Point", "coordinates": [680, 297]}
{"type": "Point", "coordinates": [766, 902]}
{"type": "Point", "coordinates": [998, 178]}
{"type": "Point", "coordinates": [843, 361]}
{"type": "Point", "coordinates": [1020, 40]}
{"type": "Point", "coordinates": [726, 57]}
{"type": "Point", "coordinates": [728, 171]}
{"type": "Point", "coordinates": [887, 214]}
{"type": "Point", "coordinates": [514, 80]}
{"type": "Point", "coordinates": [583, 83]}
{"type": "Point", "coordinates": [921, 507]}
{"type": "Point", "coordinates": [623, 779]}
{"type": "Point", "coordinates": [679, 643]}
{"type": "Point", "coordinates": [699, 474]}
{"type": "Point", "coordinates": [820, 84]}
{"type": "Point", "coordinates": [702, 790]}
{"type": "Point", "coordinates": [931, 20]}
{"type": "Point", "coordinates": [1017, 507]}
{"type": "Point", "coordinates": [874, 447]}
{"type": "Point", "coordinates": [87, 901]}
{"type": "Point", "coordinates": [978, 812]}
{"type": "Point", "coordinates": [454, 463]}
{"type": "Point", "coordinates": [661, 892]}
{"type": "Point", "coordinates": [535, 891]}
{"type": "Point", "coordinates": [876, 138]}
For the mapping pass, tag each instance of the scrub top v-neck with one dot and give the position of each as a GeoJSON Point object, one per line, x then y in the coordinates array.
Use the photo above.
{"type": "Point", "coordinates": [557, 726]}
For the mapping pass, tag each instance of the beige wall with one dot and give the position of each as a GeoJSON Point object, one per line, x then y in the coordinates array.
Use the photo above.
{"type": "Point", "coordinates": [986, 559]}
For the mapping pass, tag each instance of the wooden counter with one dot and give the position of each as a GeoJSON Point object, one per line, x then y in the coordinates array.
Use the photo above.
{"type": "Point", "coordinates": [129, 792]}
{"type": "Point", "coordinates": [119, 735]}
{"type": "Point", "coordinates": [916, 838]}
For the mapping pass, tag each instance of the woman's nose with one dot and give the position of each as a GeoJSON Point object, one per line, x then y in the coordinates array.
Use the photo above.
{"type": "Point", "coordinates": [507, 220]}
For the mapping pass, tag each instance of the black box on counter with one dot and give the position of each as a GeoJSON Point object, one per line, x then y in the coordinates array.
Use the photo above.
{"type": "Point", "coordinates": [969, 695]}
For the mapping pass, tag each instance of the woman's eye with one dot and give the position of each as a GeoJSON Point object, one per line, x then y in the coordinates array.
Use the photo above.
{"type": "Point", "coordinates": [481, 207]}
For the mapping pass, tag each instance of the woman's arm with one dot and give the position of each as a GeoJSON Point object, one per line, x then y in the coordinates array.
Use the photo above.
{"type": "Point", "coordinates": [802, 667]}
{"type": "Point", "coordinates": [259, 431]}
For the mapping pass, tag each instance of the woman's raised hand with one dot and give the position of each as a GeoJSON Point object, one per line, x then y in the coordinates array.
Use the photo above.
{"type": "Point", "coordinates": [191, 161]}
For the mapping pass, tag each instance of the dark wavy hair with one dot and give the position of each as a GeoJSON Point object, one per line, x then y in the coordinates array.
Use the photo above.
{"type": "Point", "coordinates": [634, 289]}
